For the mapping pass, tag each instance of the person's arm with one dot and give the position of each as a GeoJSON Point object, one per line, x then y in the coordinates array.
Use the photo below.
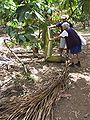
{"type": "Point", "coordinates": [57, 38]}
{"type": "Point", "coordinates": [63, 35]}
{"type": "Point", "coordinates": [52, 26]}
{"type": "Point", "coordinates": [57, 25]}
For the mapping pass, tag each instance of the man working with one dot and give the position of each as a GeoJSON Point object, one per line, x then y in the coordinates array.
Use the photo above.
{"type": "Point", "coordinates": [73, 42]}
{"type": "Point", "coordinates": [62, 41]}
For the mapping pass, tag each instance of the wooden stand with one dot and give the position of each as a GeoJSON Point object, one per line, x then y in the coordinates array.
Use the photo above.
{"type": "Point", "coordinates": [49, 48]}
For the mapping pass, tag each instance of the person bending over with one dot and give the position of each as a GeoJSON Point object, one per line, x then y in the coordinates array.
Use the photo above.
{"type": "Point", "coordinates": [62, 41]}
{"type": "Point", "coordinates": [73, 42]}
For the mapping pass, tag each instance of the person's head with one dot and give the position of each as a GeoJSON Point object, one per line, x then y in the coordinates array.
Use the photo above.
{"type": "Point", "coordinates": [64, 18]}
{"type": "Point", "coordinates": [65, 26]}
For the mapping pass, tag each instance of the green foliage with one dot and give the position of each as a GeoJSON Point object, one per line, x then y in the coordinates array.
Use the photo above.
{"type": "Point", "coordinates": [86, 5]}
{"type": "Point", "coordinates": [7, 10]}
{"type": "Point", "coordinates": [24, 23]}
{"type": "Point", "coordinates": [24, 18]}
{"type": "Point", "coordinates": [18, 1]}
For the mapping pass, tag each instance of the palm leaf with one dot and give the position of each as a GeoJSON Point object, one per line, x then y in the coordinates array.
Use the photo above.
{"type": "Point", "coordinates": [39, 16]}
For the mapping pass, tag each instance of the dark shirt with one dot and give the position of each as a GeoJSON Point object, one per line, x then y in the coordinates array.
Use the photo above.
{"type": "Point", "coordinates": [73, 39]}
{"type": "Point", "coordinates": [60, 25]}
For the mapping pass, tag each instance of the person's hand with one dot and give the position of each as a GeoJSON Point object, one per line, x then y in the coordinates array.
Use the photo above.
{"type": "Point", "coordinates": [49, 27]}
{"type": "Point", "coordinates": [51, 39]}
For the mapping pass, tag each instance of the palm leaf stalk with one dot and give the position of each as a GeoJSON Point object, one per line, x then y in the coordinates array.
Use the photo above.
{"type": "Point", "coordinates": [39, 106]}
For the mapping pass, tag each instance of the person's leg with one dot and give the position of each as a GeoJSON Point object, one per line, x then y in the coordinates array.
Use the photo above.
{"type": "Point", "coordinates": [78, 58]}
{"type": "Point", "coordinates": [62, 45]}
{"type": "Point", "coordinates": [72, 59]}
{"type": "Point", "coordinates": [75, 50]}
{"type": "Point", "coordinates": [61, 51]}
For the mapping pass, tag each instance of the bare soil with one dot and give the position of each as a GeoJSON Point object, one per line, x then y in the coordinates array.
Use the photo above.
{"type": "Point", "coordinates": [77, 107]}
{"type": "Point", "coordinates": [13, 84]}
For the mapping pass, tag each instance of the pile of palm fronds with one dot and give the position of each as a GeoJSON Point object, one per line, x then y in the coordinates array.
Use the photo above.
{"type": "Point", "coordinates": [37, 107]}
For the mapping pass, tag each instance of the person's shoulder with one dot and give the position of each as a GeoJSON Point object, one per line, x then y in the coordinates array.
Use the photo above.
{"type": "Point", "coordinates": [64, 34]}
{"type": "Point", "coordinates": [59, 24]}
{"type": "Point", "coordinates": [69, 30]}
{"type": "Point", "coordinates": [71, 25]}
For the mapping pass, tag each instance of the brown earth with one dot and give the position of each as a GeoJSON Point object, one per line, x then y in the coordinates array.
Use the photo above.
{"type": "Point", "coordinates": [77, 107]}
{"type": "Point", "coordinates": [12, 84]}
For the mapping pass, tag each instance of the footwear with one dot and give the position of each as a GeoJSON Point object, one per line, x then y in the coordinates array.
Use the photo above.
{"type": "Point", "coordinates": [78, 64]}
{"type": "Point", "coordinates": [71, 65]}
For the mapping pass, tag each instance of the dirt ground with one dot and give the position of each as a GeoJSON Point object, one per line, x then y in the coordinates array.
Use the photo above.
{"type": "Point", "coordinates": [12, 84]}
{"type": "Point", "coordinates": [77, 107]}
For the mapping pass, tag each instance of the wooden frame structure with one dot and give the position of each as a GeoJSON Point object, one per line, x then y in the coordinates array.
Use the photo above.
{"type": "Point", "coordinates": [49, 56]}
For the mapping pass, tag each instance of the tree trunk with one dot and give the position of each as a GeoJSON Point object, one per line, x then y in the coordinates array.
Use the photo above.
{"type": "Point", "coordinates": [44, 35]}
